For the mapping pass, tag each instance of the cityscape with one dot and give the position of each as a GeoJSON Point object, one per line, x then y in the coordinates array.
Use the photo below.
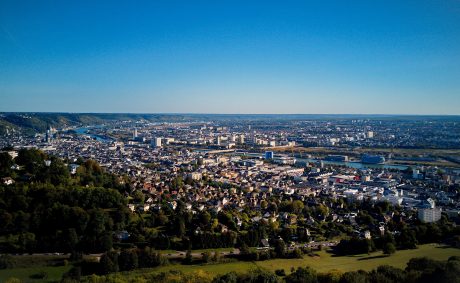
{"type": "Point", "coordinates": [282, 185]}
{"type": "Point", "coordinates": [229, 141]}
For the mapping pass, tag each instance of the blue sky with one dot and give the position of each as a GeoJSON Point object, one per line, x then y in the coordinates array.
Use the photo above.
{"type": "Point", "coordinates": [386, 57]}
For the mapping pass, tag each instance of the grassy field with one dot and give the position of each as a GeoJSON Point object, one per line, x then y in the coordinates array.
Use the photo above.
{"type": "Point", "coordinates": [27, 265]}
{"type": "Point", "coordinates": [38, 261]}
{"type": "Point", "coordinates": [326, 262]}
{"type": "Point", "coordinates": [54, 274]}
{"type": "Point", "coordinates": [322, 263]}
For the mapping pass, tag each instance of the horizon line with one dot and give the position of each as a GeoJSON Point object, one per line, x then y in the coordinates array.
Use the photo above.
{"type": "Point", "coordinates": [229, 114]}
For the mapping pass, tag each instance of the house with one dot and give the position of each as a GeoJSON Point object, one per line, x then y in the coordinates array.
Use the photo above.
{"type": "Point", "coordinates": [132, 207]}
{"type": "Point", "coordinates": [7, 181]}
{"type": "Point", "coordinates": [367, 235]}
{"type": "Point", "coordinates": [264, 243]}
{"type": "Point", "coordinates": [122, 235]}
{"type": "Point", "coordinates": [73, 168]}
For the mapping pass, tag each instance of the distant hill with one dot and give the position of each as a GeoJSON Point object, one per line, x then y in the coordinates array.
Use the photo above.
{"type": "Point", "coordinates": [30, 123]}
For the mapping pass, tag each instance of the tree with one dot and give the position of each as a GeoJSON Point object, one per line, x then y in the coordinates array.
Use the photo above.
{"type": "Point", "coordinates": [179, 227]}
{"type": "Point", "coordinates": [297, 206]}
{"type": "Point", "coordinates": [188, 257]}
{"type": "Point", "coordinates": [205, 218]}
{"type": "Point", "coordinates": [72, 239]}
{"type": "Point", "coordinates": [230, 277]}
{"type": "Point", "coordinates": [297, 253]}
{"type": "Point", "coordinates": [354, 246]}
{"type": "Point", "coordinates": [149, 258]}
{"type": "Point", "coordinates": [423, 264]}
{"type": "Point", "coordinates": [206, 256]}
{"type": "Point", "coordinates": [389, 249]}
{"type": "Point", "coordinates": [407, 239]}
{"type": "Point", "coordinates": [280, 248]}
{"type": "Point", "coordinates": [263, 204]}
{"type": "Point", "coordinates": [128, 260]}
{"type": "Point", "coordinates": [389, 273]}
{"type": "Point", "coordinates": [108, 263]}
{"type": "Point", "coordinates": [216, 256]}
{"type": "Point", "coordinates": [354, 277]}
{"type": "Point", "coordinates": [6, 261]}
{"type": "Point", "coordinates": [27, 241]}
{"type": "Point", "coordinates": [177, 183]}
{"type": "Point", "coordinates": [106, 241]}
{"type": "Point", "coordinates": [302, 275]}
{"type": "Point", "coordinates": [280, 272]}
{"type": "Point", "coordinates": [244, 249]}
{"type": "Point", "coordinates": [139, 197]}
{"type": "Point", "coordinates": [32, 160]}
{"type": "Point", "coordinates": [260, 276]}
{"type": "Point", "coordinates": [323, 210]}
{"type": "Point", "coordinates": [5, 164]}
{"type": "Point", "coordinates": [332, 276]}
{"type": "Point", "coordinates": [57, 173]}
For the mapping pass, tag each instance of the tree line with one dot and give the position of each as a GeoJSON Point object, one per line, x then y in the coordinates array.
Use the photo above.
{"type": "Point", "coordinates": [418, 270]}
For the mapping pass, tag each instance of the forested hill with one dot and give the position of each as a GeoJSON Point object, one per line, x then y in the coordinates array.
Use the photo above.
{"type": "Point", "coordinates": [30, 123]}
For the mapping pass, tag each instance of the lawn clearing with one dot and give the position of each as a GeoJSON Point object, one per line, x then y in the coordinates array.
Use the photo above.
{"type": "Point", "coordinates": [54, 274]}
{"type": "Point", "coordinates": [325, 262]}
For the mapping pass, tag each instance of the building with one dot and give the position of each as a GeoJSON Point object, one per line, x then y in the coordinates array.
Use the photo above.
{"type": "Point", "coordinates": [429, 214]}
{"type": "Point", "coordinates": [416, 174]}
{"type": "Point", "coordinates": [8, 181]}
{"type": "Point", "coordinates": [372, 159]}
{"type": "Point", "coordinates": [73, 168]}
{"type": "Point", "coordinates": [48, 136]}
{"type": "Point", "coordinates": [135, 133]}
{"type": "Point", "coordinates": [428, 203]}
{"type": "Point", "coordinates": [367, 235]}
{"type": "Point", "coordinates": [269, 155]}
{"type": "Point", "coordinates": [337, 158]}
{"type": "Point", "coordinates": [12, 153]}
{"type": "Point", "coordinates": [156, 142]}
{"type": "Point", "coordinates": [370, 135]}
{"type": "Point", "coordinates": [194, 176]}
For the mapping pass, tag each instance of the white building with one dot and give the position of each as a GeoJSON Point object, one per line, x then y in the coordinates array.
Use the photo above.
{"type": "Point", "coordinates": [169, 140]}
{"type": "Point", "coordinates": [394, 199]}
{"type": "Point", "coordinates": [429, 214]}
{"type": "Point", "coordinates": [156, 142]}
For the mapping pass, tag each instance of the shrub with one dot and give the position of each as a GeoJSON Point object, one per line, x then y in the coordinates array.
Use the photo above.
{"type": "Point", "coordinates": [39, 275]}
{"type": "Point", "coordinates": [389, 249]}
{"type": "Point", "coordinates": [6, 261]}
{"type": "Point", "coordinates": [280, 272]}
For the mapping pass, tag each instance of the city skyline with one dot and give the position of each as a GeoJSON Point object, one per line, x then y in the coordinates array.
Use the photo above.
{"type": "Point", "coordinates": [384, 57]}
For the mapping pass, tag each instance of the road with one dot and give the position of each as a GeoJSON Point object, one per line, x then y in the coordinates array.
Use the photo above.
{"type": "Point", "coordinates": [181, 254]}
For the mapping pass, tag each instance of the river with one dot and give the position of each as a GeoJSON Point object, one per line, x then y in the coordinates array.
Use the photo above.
{"type": "Point", "coordinates": [84, 131]}
{"type": "Point", "coordinates": [357, 165]}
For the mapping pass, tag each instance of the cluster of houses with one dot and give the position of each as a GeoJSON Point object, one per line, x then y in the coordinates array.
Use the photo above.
{"type": "Point", "coordinates": [213, 178]}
